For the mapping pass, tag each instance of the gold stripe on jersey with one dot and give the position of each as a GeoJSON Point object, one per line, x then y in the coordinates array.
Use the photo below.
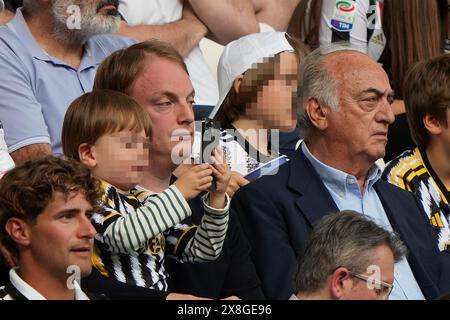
{"type": "Point", "coordinates": [97, 262]}
{"type": "Point", "coordinates": [182, 236]}
{"type": "Point", "coordinates": [400, 170]}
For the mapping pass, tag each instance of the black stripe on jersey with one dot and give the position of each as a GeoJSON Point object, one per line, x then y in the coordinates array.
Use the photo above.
{"type": "Point", "coordinates": [183, 242]}
{"type": "Point", "coordinates": [146, 274]}
{"type": "Point", "coordinates": [180, 204]}
{"type": "Point", "coordinates": [370, 31]}
{"type": "Point", "coordinates": [409, 172]}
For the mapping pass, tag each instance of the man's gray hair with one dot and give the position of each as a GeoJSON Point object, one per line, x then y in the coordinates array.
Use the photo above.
{"type": "Point", "coordinates": [315, 81]}
{"type": "Point", "coordinates": [344, 239]}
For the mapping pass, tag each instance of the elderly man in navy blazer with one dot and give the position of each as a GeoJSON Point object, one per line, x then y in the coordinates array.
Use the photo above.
{"type": "Point", "coordinates": [344, 113]}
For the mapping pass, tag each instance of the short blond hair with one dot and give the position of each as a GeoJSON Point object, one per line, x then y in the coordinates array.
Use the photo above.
{"type": "Point", "coordinates": [120, 70]}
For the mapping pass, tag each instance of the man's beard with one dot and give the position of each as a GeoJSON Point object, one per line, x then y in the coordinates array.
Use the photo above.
{"type": "Point", "coordinates": [75, 26]}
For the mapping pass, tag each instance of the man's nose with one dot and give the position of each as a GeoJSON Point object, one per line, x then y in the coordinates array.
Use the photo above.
{"type": "Point", "coordinates": [185, 113]}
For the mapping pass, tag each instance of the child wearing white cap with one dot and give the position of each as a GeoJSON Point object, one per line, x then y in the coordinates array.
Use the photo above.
{"type": "Point", "coordinates": [257, 77]}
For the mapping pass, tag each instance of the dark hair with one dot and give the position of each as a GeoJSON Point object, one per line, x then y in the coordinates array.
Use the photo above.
{"type": "Point", "coordinates": [413, 28]}
{"type": "Point", "coordinates": [97, 113]}
{"type": "Point", "coordinates": [427, 91]}
{"type": "Point", "coordinates": [26, 190]}
{"type": "Point", "coordinates": [345, 239]}
{"type": "Point", "coordinates": [304, 25]}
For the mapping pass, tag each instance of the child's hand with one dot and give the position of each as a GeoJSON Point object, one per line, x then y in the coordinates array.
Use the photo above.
{"type": "Point", "coordinates": [236, 182]}
{"type": "Point", "coordinates": [195, 180]}
{"type": "Point", "coordinates": [222, 175]}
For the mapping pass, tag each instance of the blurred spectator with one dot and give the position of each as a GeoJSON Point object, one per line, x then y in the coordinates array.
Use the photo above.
{"type": "Point", "coordinates": [183, 24]}
{"type": "Point", "coordinates": [45, 211]}
{"type": "Point", "coordinates": [347, 257]}
{"type": "Point", "coordinates": [48, 58]}
{"type": "Point", "coordinates": [425, 170]}
{"type": "Point", "coordinates": [344, 116]}
{"type": "Point", "coordinates": [257, 84]}
{"type": "Point", "coordinates": [154, 74]}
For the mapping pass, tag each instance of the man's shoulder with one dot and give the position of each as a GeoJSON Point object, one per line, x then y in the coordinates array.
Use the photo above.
{"type": "Point", "coordinates": [9, 41]}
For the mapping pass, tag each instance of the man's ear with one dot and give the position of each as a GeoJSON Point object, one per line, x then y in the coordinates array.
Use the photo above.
{"type": "Point", "coordinates": [86, 153]}
{"type": "Point", "coordinates": [19, 231]}
{"type": "Point", "coordinates": [339, 283]}
{"type": "Point", "coordinates": [432, 124]}
{"type": "Point", "coordinates": [317, 113]}
{"type": "Point", "coordinates": [237, 83]}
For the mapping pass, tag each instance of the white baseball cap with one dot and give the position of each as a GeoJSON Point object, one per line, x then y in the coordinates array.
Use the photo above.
{"type": "Point", "coordinates": [244, 53]}
{"type": "Point", "coordinates": [2, 5]}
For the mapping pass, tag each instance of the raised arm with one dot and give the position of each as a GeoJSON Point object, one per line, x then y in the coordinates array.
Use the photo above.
{"type": "Point", "coordinates": [226, 19]}
{"type": "Point", "coordinates": [130, 232]}
{"type": "Point", "coordinates": [183, 34]}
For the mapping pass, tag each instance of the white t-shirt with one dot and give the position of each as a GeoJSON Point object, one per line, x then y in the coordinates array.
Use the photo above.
{"type": "Point", "coordinates": [137, 12]}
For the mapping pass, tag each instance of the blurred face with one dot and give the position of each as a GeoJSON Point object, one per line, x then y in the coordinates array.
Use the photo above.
{"type": "Point", "coordinates": [166, 93]}
{"type": "Point", "coordinates": [274, 104]}
{"type": "Point", "coordinates": [361, 289]}
{"type": "Point", "coordinates": [120, 158]}
{"type": "Point", "coordinates": [63, 235]}
{"type": "Point", "coordinates": [361, 124]}
{"type": "Point", "coordinates": [82, 19]}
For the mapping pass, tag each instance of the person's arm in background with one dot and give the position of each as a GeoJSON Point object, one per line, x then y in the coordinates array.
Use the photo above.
{"type": "Point", "coordinates": [31, 152]}
{"type": "Point", "coordinates": [227, 20]}
{"type": "Point", "coordinates": [275, 13]}
{"type": "Point", "coordinates": [183, 34]}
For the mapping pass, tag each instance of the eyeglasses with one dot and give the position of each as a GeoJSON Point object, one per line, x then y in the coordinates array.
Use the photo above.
{"type": "Point", "coordinates": [381, 288]}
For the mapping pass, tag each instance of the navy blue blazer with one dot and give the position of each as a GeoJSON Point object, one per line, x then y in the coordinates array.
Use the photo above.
{"type": "Point", "coordinates": [278, 212]}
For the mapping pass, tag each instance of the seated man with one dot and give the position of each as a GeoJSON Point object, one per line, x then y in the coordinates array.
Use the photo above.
{"type": "Point", "coordinates": [425, 170]}
{"type": "Point", "coordinates": [344, 117]}
{"type": "Point", "coordinates": [154, 74]}
{"type": "Point", "coordinates": [45, 211]}
{"type": "Point", "coordinates": [347, 257]}
{"type": "Point", "coordinates": [48, 58]}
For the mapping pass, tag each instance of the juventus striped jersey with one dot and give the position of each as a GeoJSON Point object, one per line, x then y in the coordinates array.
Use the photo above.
{"type": "Point", "coordinates": [136, 231]}
{"type": "Point", "coordinates": [412, 171]}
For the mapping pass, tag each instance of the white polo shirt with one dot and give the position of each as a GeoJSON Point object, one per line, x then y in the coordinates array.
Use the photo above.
{"type": "Point", "coordinates": [30, 293]}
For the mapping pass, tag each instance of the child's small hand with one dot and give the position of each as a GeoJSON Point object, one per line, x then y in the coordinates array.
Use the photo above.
{"type": "Point", "coordinates": [195, 180]}
{"type": "Point", "coordinates": [236, 182]}
{"type": "Point", "coordinates": [222, 175]}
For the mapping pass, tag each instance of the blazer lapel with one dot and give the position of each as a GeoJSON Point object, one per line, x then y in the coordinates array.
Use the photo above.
{"type": "Point", "coordinates": [314, 200]}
